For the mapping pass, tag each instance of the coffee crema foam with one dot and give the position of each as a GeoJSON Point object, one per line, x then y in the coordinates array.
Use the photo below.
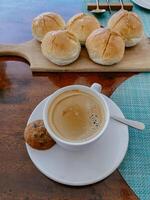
{"type": "Point", "coordinates": [76, 116]}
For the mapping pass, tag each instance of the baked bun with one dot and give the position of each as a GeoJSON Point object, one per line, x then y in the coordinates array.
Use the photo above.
{"type": "Point", "coordinates": [37, 137]}
{"type": "Point", "coordinates": [61, 47]}
{"type": "Point", "coordinates": [129, 25]}
{"type": "Point", "coordinates": [82, 25]}
{"type": "Point", "coordinates": [105, 47]}
{"type": "Point", "coordinates": [46, 22]}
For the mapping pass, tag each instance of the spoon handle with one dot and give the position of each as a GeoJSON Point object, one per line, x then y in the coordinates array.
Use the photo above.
{"type": "Point", "coordinates": [97, 4]}
{"type": "Point", "coordinates": [132, 123]}
{"type": "Point", "coordinates": [109, 7]}
{"type": "Point", "coordinates": [122, 4]}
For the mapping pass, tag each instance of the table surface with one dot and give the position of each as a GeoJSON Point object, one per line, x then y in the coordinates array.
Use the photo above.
{"type": "Point", "coordinates": [20, 91]}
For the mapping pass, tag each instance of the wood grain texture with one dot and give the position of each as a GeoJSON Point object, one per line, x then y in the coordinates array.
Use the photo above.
{"type": "Point", "coordinates": [136, 59]}
{"type": "Point", "coordinates": [114, 6]}
{"type": "Point", "coordinates": [20, 91]}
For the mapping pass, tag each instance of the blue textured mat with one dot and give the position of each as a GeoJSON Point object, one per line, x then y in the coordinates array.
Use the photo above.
{"type": "Point", "coordinates": [133, 98]}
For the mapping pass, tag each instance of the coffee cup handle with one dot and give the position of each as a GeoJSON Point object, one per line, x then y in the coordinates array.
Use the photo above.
{"type": "Point", "coordinates": [97, 87]}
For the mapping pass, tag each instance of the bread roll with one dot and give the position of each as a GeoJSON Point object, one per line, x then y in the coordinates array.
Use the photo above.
{"type": "Point", "coordinates": [61, 47]}
{"type": "Point", "coordinates": [105, 47]}
{"type": "Point", "coordinates": [129, 25]}
{"type": "Point", "coordinates": [81, 25]}
{"type": "Point", "coordinates": [46, 22]}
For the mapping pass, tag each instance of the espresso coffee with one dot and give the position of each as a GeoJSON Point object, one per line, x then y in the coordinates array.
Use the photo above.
{"type": "Point", "coordinates": [76, 116]}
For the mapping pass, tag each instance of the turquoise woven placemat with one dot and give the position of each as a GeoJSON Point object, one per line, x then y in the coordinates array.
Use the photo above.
{"type": "Point", "coordinates": [133, 98]}
{"type": "Point", "coordinates": [143, 13]}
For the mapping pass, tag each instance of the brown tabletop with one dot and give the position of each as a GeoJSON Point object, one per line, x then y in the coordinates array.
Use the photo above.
{"type": "Point", "coordinates": [20, 91]}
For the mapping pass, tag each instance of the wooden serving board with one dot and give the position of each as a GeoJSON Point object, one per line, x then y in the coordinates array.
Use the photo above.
{"type": "Point", "coordinates": [136, 59]}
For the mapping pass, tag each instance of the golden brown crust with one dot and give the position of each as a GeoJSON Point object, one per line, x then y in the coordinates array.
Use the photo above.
{"type": "Point", "coordinates": [61, 47]}
{"type": "Point", "coordinates": [135, 25]}
{"type": "Point", "coordinates": [114, 49]}
{"type": "Point", "coordinates": [37, 137]}
{"type": "Point", "coordinates": [128, 24]}
{"type": "Point", "coordinates": [117, 17]}
{"type": "Point", "coordinates": [105, 47]}
{"type": "Point", "coordinates": [46, 22]}
{"type": "Point", "coordinates": [82, 25]}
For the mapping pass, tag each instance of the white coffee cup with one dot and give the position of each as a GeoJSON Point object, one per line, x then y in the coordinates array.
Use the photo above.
{"type": "Point", "coordinates": [94, 90]}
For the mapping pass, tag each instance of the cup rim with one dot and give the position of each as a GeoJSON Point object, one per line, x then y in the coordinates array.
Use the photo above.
{"type": "Point", "coordinates": [50, 99]}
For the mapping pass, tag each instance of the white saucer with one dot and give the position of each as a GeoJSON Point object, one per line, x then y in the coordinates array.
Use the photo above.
{"type": "Point", "coordinates": [142, 3]}
{"type": "Point", "coordinates": [83, 167]}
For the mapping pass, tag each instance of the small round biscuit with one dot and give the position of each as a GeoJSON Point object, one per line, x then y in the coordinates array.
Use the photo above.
{"type": "Point", "coordinates": [46, 22]}
{"type": "Point", "coordinates": [82, 25]}
{"type": "Point", "coordinates": [37, 137]}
